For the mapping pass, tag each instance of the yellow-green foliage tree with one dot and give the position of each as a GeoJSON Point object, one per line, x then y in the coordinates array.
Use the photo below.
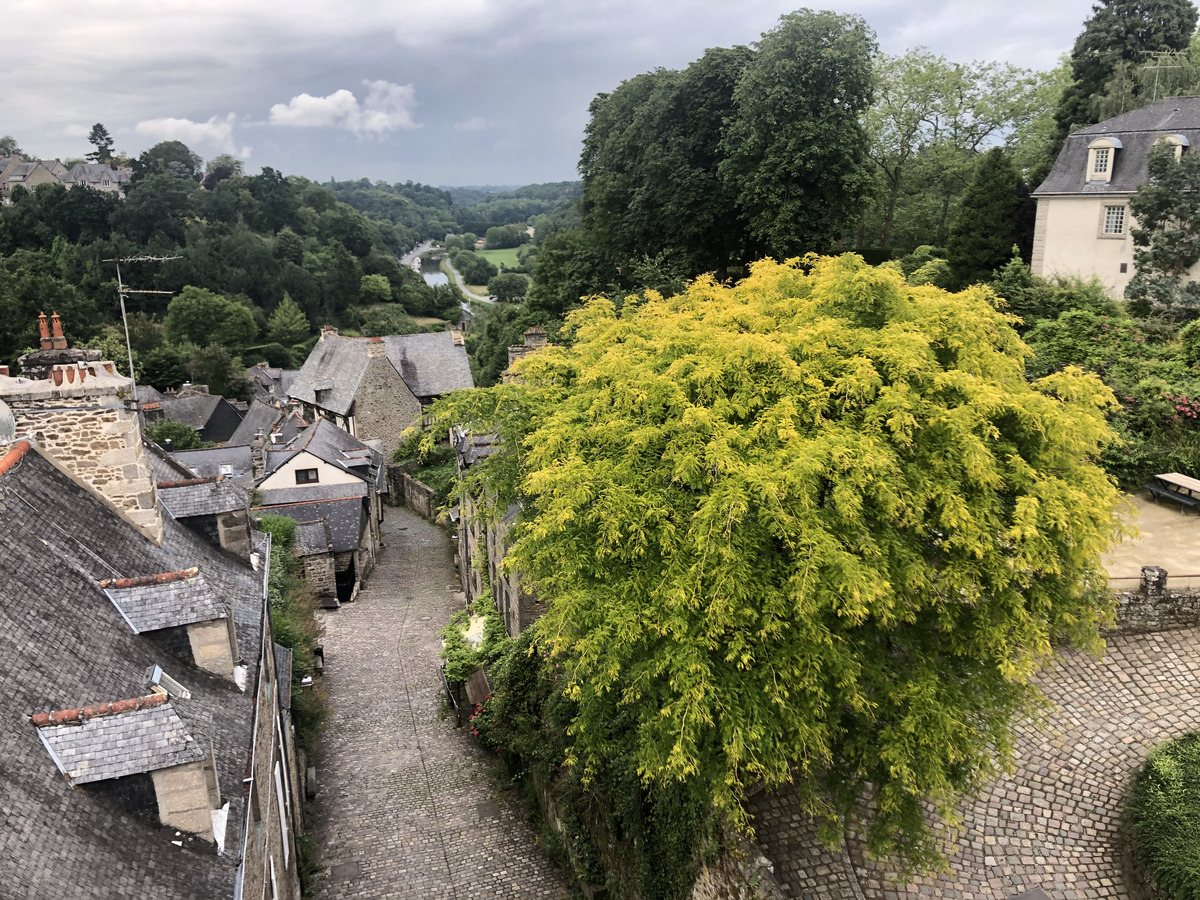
{"type": "Point", "coordinates": [815, 526]}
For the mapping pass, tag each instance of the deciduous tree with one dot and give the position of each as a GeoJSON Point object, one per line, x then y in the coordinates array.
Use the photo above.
{"type": "Point", "coordinates": [1166, 238]}
{"type": "Point", "coordinates": [816, 526]}
{"type": "Point", "coordinates": [795, 151]}
{"type": "Point", "coordinates": [200, 317]}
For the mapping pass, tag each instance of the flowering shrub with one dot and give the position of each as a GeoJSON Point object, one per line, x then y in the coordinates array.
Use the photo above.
{"type": "Point", "coordinates": [482, 723]}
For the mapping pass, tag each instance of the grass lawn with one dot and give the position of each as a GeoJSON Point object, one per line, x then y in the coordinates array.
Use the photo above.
{"type": "Point", "coordinates": [507, 256]}
{"type": "Point", "coordinates": [428, 320]}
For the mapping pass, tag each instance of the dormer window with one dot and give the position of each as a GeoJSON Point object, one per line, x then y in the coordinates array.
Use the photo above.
{"type": "Point", "coordinates": [1175, 141]}
{"type": "Point", "coordinates": [1102, 158]}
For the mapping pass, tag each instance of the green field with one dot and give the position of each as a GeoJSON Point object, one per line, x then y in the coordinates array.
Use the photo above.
{"type": "Point", "coordinates": [496, 257]}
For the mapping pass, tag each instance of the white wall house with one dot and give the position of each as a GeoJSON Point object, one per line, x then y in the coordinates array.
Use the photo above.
{"type": "Point", "coordinates": [1083, 220]}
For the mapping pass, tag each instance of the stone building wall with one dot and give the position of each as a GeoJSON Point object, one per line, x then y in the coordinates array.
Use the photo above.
{"type": "Point", "coordinates": [318, 571]}
{"type": "Point", "coordinates": [86, 424]}
{"type": "Point", "coordinates": [270, 838]}
{"type": "Point", "coordinates": [384, 406]}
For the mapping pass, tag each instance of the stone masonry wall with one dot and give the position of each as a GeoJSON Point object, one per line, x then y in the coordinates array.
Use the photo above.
{"type": "Point", "coordinates": [1154, 607]}
{"type": "Point", "coordinates": [418, 497]}
{"type": "Point", "coordinates": [318, 571]}
{"type": "Point", "coordinates": [101, 443]}
{"type": "Point", "coordinates": [384, 406]}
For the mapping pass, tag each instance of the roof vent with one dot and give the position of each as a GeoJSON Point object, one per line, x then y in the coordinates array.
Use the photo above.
{"type": "Point", "coordinates": [164, 683]}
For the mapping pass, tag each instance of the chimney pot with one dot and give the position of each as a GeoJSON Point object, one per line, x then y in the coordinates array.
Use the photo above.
{"type": "Point", "coordinates": [4, 371]}
{"type": "Point", "coordinates": [59, 341]}
{"type": "Point", "coordinates": [44, 332]}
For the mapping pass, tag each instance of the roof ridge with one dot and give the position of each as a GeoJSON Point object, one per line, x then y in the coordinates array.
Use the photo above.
{"type": "Point", "coordinates": [83, 713]}
{"type": "Point", "coordinates": [14, 456]}
{"type": "Point", "coordinates": [189, 482]}
{"type": "Point", "coordinates": [121, 584]}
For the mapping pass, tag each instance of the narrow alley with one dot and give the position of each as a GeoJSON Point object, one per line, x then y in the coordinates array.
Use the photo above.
{"type": "Point", "coordinates": [405, 806]}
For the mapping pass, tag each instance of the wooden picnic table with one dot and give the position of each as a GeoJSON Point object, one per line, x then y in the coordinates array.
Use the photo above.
{"type": "Point", "coordinates": [1183, 489]}
{"type": "Point", "coordinates": [1184, 484]}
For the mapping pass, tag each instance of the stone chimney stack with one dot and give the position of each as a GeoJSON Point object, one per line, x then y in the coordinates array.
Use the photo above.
{"type": "Point", "coordinates": [258, 456]}
{"type": "Point", "coordinates": [535, 338]}
{"type": "Point", "coordinates": [376, 347]}
{"type": "Point", "coordinates": [81, 410]}
{"type": "Point", "coordinates": [329, 331]}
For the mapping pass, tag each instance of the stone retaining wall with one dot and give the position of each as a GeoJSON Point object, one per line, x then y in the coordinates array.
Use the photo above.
{"type": "Point", "coordinates": [418, 497]}
{"type": "Point", "coordinates": [1154, 606]}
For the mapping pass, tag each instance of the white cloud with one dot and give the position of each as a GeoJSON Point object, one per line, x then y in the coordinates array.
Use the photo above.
{"type": "Point", "coordinates": [386, 107]}
{"type": "Point", "coordinates": [217, 132]}
{"type": "Point", "coordinates": [473, 124]}
{"type": "Point", "coordinates": [76, 131]}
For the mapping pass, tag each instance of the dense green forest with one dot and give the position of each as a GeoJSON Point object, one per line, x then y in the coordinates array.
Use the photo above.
{"type": "Point", "coordinates": [252, 263]}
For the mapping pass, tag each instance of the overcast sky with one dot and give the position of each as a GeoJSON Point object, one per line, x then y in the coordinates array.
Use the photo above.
{"type": "Point", "coordinates": [469, 92]}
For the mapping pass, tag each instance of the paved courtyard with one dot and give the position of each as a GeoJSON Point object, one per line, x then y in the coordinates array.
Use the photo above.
{"type": "Point", "coordinates": [1054, 823]}
{"type": "Point", "coordinates": [405, 807]}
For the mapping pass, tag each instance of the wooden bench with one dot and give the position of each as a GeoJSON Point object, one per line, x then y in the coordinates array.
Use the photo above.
{"type": "Point", "coordinates": [1185, 502]}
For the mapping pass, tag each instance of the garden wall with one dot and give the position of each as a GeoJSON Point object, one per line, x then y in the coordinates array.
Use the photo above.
{"type": "Point", "coordinates": [1154, 606]}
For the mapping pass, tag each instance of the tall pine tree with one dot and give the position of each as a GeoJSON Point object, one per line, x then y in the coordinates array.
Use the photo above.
{"type": "Point", "coordinates": [983, 234]}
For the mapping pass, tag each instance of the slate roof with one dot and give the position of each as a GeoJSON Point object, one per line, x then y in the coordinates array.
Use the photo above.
{"type": "Point", "coordinates": [64, 646]}
{"type": "Point", "coordinates": [112, 745]}
{"type": "Point", "coordinates": [470, 448]}
{"type": "Point", "coordinates": [346, 519]}
{"type": "Point", "coordinates": [1137, 132]}
{"type": "Point", "coordinates": [313, 538]}
{"type": "Point", "coordinates": [209, 497]}
{"type": "Point", "coordinates": [207, 463]}
{"type": "Point", "coordinates": [336, 365]}
{"type": "Point", "coordinates": [259, 417]}
{"type": "Point", "coordinates": [195, 410]}
{"type": "Point", "coordinates": [164, 600]}
{"type": "Point", "coordinates": [164, 466]}
{"type": "Point", "coordinates": [271, 384]}
{"type": "Point", "coordinates": [309, 493]}
{"type": "Point", "coordinates": [338, 447]}
{"type": "Point", "coordinates": [147, 394]}
{"type": "Point", "coordinates": [431, 364]}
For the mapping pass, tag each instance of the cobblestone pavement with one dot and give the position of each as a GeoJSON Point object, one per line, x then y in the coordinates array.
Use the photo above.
{"type": "Point", "coordinates": [405, 806]}
{"type": "Point", "coordinates": [1055, 822]}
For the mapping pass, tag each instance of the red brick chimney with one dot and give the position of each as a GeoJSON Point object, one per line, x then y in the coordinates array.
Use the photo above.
{"type": "Point", "coordinates": [44, 331]}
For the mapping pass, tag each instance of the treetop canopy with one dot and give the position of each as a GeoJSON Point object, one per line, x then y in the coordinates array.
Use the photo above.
{"type": "Point", "coordinates": [816, 525]}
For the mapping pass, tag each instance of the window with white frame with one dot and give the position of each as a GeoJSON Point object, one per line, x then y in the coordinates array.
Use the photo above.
{"type": "Point", "coordinates": [1102, 159]}
{"type": "Point", "coordinates": [1114, 220]}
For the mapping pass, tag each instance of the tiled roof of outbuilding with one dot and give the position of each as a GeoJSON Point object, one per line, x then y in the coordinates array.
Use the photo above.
{"type": "Point", "coordinates": [96, 746]}
{"type": "Point", "coordinates": [164, 601]}
{"type": "Point", "coordinates": [202, 496]}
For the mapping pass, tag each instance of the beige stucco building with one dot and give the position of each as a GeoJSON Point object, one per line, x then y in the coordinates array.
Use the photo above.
{"type": "Point", "coordinates": [1084, 227]}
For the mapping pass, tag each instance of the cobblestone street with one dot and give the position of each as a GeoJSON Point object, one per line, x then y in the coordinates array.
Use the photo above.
{"type": "Point", "coordinates": [1054, 823]}
{"type": "Point", "coordinates": [405, 806]}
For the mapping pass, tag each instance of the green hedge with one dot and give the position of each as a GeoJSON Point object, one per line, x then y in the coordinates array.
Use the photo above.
{"type": "Point", "coordinates": [1164, 817]}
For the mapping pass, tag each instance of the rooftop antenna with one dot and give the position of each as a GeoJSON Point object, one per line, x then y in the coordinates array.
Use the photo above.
{"type": "Point", "coordinates": [121, 292]}
{"type": "Point", "coordinates": [1158, 57]}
